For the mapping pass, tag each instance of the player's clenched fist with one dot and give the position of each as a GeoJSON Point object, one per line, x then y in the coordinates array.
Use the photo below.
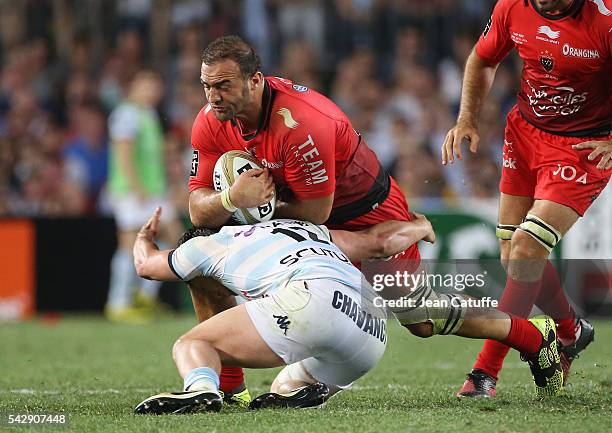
{"type": "Point", "coordinates": [252, 188]}
{"type": "Point", "coordinates": [454, 137]}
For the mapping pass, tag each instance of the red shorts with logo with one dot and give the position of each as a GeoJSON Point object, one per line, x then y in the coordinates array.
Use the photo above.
{"type": "Point", "coordinates": [546, 167]}
{"type": "Point", "coordinates": [395, 207]}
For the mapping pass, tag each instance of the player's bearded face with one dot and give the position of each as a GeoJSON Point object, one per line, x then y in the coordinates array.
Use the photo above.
{"type": "Point", "coordinates": [227, 90]}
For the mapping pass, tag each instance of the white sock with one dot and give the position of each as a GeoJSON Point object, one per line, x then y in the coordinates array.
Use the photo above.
{"type": "Point", "coordinates": [202, 379]}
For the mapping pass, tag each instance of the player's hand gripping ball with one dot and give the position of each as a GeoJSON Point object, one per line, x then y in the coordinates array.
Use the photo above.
{"type": "Point", "coordinates": [227, 169]}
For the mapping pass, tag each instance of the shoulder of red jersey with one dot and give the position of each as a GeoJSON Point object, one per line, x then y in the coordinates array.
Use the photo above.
{"type": "Point", "coordinates": [298, 98]}
{"type": "Point", "coordinates": [600, 13]}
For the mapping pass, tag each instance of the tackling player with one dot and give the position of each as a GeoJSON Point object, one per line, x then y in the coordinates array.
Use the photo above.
{"type": "Point", "coordinates": [557, 154]}
{"type": "Point", "coordinates": [310, 310]}
{"type": "Point", "coordinates": [321, 168]}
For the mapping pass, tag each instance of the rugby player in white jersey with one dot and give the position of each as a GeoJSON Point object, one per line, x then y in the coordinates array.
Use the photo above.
{"type": "Point", "coordinates": [311, 310]}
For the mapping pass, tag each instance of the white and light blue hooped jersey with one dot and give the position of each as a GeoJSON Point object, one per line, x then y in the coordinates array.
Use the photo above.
{"type": "Point", "coordinates": [256, 260]}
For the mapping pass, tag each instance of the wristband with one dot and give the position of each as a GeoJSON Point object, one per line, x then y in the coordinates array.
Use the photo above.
{"type": "Point", "coordinates": [226, 202]}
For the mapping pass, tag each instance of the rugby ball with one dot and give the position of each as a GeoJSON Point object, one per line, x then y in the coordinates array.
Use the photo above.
{"type": "Point", "coordinates": [227, 168]}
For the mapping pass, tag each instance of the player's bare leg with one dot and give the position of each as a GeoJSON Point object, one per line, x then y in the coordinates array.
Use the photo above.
{"type": "Point", "coordinates": [209, 298]}
{"type": "Point", "coordinates": [525, 258]}
{"type": "Point", "coordinates": [512, 211]}
{"type": "Point", "coordinates": [535, 339]}
{"type": "Point", "coordinates": [228, 337]}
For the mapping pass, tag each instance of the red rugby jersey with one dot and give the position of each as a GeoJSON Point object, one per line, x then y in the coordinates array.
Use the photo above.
{"type": "Point", "coordinates": [566, 83]}
{"type": "Point", "coordinates": [305, 140]}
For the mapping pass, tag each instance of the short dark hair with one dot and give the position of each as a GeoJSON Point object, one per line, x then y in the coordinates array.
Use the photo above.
{"type": "Point", "coordinates": [194, 232]}
{"type": "Point", "coordinates": [233, 48]}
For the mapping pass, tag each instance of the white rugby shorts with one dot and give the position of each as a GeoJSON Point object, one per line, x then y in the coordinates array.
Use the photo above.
{"type": "Point", "coordinates": [337, 334]}
{"type": "Point", "coordinates": [131, 213]}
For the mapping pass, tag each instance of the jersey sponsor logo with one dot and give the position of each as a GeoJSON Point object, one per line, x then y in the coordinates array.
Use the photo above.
{"type": "Point", "coordinates": [580, 53]}
{"type": "Point", "coordinates": [546, 30]}
{"type": "Point", "coordinates": [570, 174]}
{"type": "Point", "coordinates": [510, 163]}
{"type": "Point", "coordinates": [548, 101]}
{"type": "Point", "coordinates": [272, 165]}
{"type": "Point", "coordinates": [487, 28]}
{"type": "Point", "coordinates": [518, 38]}
{"type": "Point", "coordinates": [368, 323]}
{"type": "Point", "coordinates": [290, 122]}
{"type": "Point", "coordinates": [312, 166]}
{"type": "Point", "coordinates": [301, 89]}
{"type": "Point", "coordinates": [195, 162]}
{"type": "Point", "coordinates": [601, 7]}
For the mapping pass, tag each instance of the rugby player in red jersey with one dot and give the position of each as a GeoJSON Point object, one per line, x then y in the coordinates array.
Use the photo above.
{"type": "Point", "coordinates": [557, 154]}
{"type": "Point", "coordinates": [321, 168]}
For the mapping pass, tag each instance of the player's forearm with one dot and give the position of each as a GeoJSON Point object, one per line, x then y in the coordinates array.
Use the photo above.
{"type": "Point", "coordinates": [382, 240]}
{"type": "Point", "coordinates": [397, 236]}
{"type": "Point", "coordinates": [206, 209]}
{"type": "Point", "coordinates": [477, 81]}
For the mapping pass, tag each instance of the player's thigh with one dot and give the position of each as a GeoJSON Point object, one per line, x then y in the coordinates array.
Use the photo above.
{"type": "Point", "coordinates": [210, 297]}
{"type": "Point", "coordinates": [233, 335]}
{"type": "Point", "coordinates": [353, 337]}
{"type": "Point", "coordinates": [339, 369]}
{"type": "Point", "coordinates": [323, 319]}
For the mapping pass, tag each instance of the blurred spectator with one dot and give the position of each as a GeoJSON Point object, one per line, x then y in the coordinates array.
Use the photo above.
{"type": "Point", "coordinates": [86, 152]}
{"type": "Point", "coordinates": [136, 186]}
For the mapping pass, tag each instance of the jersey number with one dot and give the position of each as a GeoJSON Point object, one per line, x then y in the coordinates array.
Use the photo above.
{"type": "Point", "coordinates": [297, 236]}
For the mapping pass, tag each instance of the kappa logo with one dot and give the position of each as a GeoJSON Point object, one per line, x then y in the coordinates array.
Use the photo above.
{"type": "Point", "coordinates": [283, 322]}
{"type": "Point", "coordinates": [288, 118]}
{"type": "Point", "coordinates": [546, 30]}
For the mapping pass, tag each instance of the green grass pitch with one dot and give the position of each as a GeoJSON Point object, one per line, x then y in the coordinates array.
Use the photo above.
{"type": "Point", "coordinates": [97, 372]}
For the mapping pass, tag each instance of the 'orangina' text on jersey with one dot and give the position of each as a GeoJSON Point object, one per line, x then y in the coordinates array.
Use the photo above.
{"type": "Point", "coordinates": [566, 81]}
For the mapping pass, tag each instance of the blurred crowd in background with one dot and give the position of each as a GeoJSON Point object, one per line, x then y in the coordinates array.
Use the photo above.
{"type": "Point", "coordinates": [394, 66]}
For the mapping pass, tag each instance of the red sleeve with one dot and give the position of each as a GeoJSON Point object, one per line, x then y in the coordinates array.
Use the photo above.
{"type": "Point", "coordinates": [495, 42]}
{"type": "Point", "coordinates": [204, 154]}
{"type": "Point", "coordinates": [310, 158]}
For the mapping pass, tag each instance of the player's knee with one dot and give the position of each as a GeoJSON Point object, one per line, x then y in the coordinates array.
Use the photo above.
{"type": "Point", "coordinates": [524, 247]}
{"type": "Point", "coordinates": [180, 346]}
{"type": "Point", "coordinates": [423, 330]}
